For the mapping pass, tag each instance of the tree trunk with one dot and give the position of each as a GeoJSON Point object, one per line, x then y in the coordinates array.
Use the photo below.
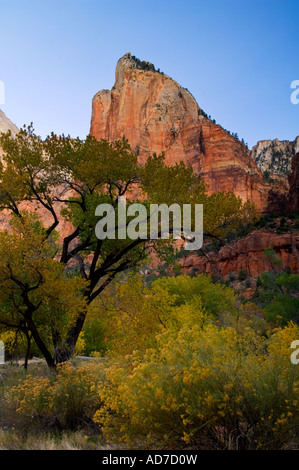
{"type": "Point", "coordinates": [62, 354]}
{"type": "Point", "coordinates": [27, 349]}
{"type": "Point", "coordinates": [67, 349]}
{"type": "Point", "coordinates": [40, 344]}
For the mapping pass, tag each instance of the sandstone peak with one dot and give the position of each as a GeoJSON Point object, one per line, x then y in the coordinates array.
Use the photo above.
{"type": "Point", "coordinates": [127, 63]}
{"type": "Point", "coordinates": [6, 124]}
{"type": "Point", "coordinates": [130, 61]}
{"type": "Point", "coordinates": [157, 115]}
{"type": "Point", "coordinates": [275, 156]}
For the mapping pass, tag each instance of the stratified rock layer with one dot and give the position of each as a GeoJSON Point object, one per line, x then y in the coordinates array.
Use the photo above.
{"type": "Point", "coordinates": [248, 254]}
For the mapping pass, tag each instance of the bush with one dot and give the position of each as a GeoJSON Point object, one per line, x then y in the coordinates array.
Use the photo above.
{"type": "Point", "coordinates": [278, 296]}
{"type": "Point", "coordinates": [66, 399]}
{"type": "Point", "coordinates": [242, 275]}
{"type": "Point", "coordinates": [133, 314]}
{"type": "Point", "coordinates": [205, 388]}
{"type": "Point", "coordinates": [231, 277]}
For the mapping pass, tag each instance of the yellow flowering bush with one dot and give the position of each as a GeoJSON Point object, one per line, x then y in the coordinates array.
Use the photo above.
{"type": "Point", "coordinates": [67, 398]}
{"type": "Point", "coordinates": [8, 337]}
{"type": "Point", "coordinates": [133, 314]}
{"type": "Point", "coordinates": [205, 387]}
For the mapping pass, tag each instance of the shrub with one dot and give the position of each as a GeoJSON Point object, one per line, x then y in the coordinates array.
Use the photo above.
{"type": "Point", "coordinates": [205, 388]}
{"type": "Point", "coordinates": [215, 298]}
{"type": "Point", "coordinates": [67, 399]}
{"type": "Point", "coordinates": [242, 275]}
{"type": "Point", "coordinates": [278, 296]}
{"type": "Point", "coordinates": [231, 277]}
{"type": "Point", "coordinates": [133, 314]}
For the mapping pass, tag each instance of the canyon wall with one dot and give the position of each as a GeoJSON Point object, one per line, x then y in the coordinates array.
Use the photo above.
{"type": "Point", "coordinates": [156, 114]}
{"type": "Point", "coordinates": [248, 254]}
{"type": "Point", "coordinates": [275, 156]}
{"type": "Point", "coordinates": [293, 177]}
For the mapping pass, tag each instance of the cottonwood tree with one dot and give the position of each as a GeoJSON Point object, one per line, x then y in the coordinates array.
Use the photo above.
{"type": "Point", "coordinates": [52, 264]}
{"type": "Point", "coordinates": [38, 297]}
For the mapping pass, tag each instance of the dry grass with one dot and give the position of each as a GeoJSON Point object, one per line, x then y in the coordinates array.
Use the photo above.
{"type": "Point", "coordinates": [18, 434]}
{"type": "Point", "coordinates": [10, 440]}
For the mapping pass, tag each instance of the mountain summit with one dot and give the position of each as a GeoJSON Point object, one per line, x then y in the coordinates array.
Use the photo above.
{"type": "Point", "coordinates": [156, 114]}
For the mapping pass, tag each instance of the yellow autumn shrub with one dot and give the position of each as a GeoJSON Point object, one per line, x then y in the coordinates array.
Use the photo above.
{"type": "Point", "coordinates": [132, 314]}
{"type": "Point", "coordinates": [8, 337]}
{"type": "Point", "coordinates": [67, 398]}
{"type": "Point", "coordinates": [205, 387]}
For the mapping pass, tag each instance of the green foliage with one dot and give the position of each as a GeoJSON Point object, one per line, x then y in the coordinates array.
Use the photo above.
{"type": "Point", "coordinates": [215, 298]}
{"type": "Point", "coordinates": [94, 331]}
{"type": "Point", "coordinates": [67, 179]}
{"type": "Point", "coordinates": [270, 254]}
{"type": "Point", "coordinates": [242, 275]}
{"type": "Point", "coordinates": [186, 359]}
{"type": "Point", "coordinates": [132, 314]}
{"type": "Point", "coordinates": [201, 112]}
{"type": "Point", "coordinates": [278, 295]}
{"type": "Point", "coordinates": [35, 288]}
{"type": "Point", "coordinates": [144, 65]}
{"type": "Point", "coordinates": [267, 178]}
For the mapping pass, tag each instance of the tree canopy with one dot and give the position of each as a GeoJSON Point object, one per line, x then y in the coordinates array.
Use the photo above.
{"type": "Point", "coordinates": [52, 264]}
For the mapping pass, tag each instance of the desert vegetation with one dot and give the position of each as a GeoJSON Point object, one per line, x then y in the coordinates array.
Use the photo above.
{"type": "Point", "coordinates": [175, 361]}
{"type": "Point", "coordinates": [182, 365]}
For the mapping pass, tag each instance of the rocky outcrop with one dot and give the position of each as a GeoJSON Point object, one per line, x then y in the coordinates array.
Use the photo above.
{"type": "Point", "coordinates": [293, 196]}
{"type": "Point", "coordinates": [248, 254]}
{"type": "Point", "coordinates": [274, 156]}
{"type": "Point", "coordinates": [6, 125]}
{"type": "Point", "coordinates": [156, 114]}
{"type": "Point", "coordinates": [64, 226]}
{"type": "Point", "coordinates": [283, 196]}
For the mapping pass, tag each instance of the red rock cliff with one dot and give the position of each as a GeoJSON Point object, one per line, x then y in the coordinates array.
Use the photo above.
{"type": "Point", "coordinates": [157, 115]}
{"type": "Point", "coordinates": [293, 196]}
{"type": "Point", "coordinates": [248, 254]}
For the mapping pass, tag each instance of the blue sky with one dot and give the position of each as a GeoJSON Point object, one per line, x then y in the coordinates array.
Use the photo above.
{"type": "Point", "coordinates": [237, 57]}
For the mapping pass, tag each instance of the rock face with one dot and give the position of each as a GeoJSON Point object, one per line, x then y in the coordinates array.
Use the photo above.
{"type": "Point", "coordinates": [275, 156]}
{"type": "Point", "coordinates": [64, 226]}
{"type": "Point", "coordinates": [6, 124]}
{"type": "Point", "coordinates": [293, 196]}
{"type": "Point", "coordinates": [248, 254]}
{"type": "Point", "coordinates": [157, 115]}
